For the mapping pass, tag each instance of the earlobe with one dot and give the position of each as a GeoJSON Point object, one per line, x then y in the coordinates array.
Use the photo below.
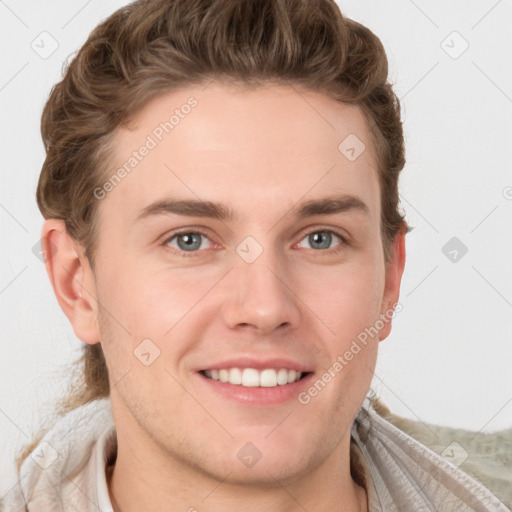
{"type": "Point", "coordinates": [72, 279]}
{"type": "Point", "coordinates": [394, 272]}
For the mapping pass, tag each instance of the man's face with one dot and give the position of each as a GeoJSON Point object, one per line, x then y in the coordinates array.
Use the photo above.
{"type": "Point", "coordinates": [265, 284]}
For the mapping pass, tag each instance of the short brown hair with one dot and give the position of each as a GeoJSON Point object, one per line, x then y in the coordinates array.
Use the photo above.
{"type": "Point", "coordinates": [153, 46]}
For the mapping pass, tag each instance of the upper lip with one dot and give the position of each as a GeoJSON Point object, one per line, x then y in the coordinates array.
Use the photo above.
{"type": "Point", "coordinates": [258, 364]}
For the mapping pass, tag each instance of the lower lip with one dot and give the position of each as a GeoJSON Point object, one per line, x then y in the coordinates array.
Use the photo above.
{"type": "Point", "coordinates": [257, 395]}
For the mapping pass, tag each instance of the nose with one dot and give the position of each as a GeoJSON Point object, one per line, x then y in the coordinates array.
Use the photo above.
{"type": "Point", "coordinates": [260, 295]}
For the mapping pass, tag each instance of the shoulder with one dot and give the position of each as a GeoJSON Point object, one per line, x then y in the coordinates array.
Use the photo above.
{"type": "Point", "coordinates": [62, 463]}
{"type": "Point", "coordinates": [432, 464]}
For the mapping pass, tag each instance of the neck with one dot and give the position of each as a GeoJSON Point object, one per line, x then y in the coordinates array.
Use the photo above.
{"type": "Point", "coordinates": [136, 484]}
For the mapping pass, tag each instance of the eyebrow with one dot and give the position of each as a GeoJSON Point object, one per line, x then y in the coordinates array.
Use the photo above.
{"type": "Point", "coordinates": [198, 208]}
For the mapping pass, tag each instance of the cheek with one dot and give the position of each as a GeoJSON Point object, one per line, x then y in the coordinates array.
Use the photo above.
{"type": "Point", "coordinates": [350, 307]}
{"type": "Point", "coordinates": [148, 301]}
{"type": "Point", "coordinates": [347, 298]}
{"type": "Point", "coordinates": [167, 298]}
{"type": "Point", "coordinates": [157, 302]}
{"type": "Point", "coordinates": [162, 306]}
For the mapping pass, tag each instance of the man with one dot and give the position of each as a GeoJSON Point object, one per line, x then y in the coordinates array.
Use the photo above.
{"type": "Point", "coordinates": [222, 231]}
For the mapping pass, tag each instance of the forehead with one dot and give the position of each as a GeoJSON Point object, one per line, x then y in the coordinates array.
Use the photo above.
{"type": "Point", "coordinates": [253, 149]}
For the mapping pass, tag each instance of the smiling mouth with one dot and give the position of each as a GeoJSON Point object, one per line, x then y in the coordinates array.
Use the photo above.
{"type": "Point", "coordinates": [251, 377]}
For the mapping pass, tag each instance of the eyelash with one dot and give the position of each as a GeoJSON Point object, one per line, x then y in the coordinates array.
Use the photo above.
{"type": "Point", "coordinates": [185, 254]}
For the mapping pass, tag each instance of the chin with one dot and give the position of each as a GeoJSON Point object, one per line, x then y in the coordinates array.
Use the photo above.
{"type": "Point", "coordinates": [257, 462]}
{"type": "Point", "coordinates": [266, 472]}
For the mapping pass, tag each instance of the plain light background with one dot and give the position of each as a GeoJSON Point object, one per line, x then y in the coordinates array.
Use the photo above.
{"type": "Point", "coordinates": [448, 359]}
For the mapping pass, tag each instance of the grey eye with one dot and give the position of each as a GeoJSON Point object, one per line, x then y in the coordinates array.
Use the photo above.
{"type": "Point", "coordinates": [321, 239]}
{"type": "Point", "coordinates": [189, 242]}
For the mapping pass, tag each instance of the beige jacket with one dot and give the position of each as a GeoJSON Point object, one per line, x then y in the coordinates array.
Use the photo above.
{"type": "Point", "coordinates": [66, 471]}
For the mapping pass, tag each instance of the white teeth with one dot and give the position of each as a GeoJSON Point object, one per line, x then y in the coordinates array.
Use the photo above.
{"type": "Point", "coordinates": [235, 376]}
{"type": "Point", "coordinates": [282, 376]}
{"type": "Point", "coordinates": [268, 378]}
{"type": "Point", "coordinates": [250, 377]}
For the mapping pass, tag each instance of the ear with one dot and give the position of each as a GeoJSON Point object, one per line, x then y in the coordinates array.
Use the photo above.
{"type": "Point", "coordinates": [72, 279]}
{"type": "Point", "coordinates": [394, 272]}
